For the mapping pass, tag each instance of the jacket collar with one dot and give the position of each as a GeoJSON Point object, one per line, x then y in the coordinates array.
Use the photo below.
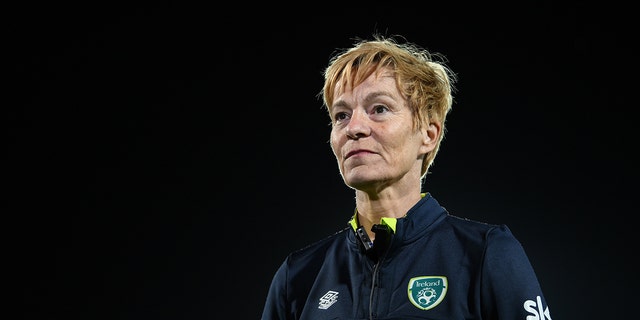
{"type": "Point", "coordinates": [422, 215]}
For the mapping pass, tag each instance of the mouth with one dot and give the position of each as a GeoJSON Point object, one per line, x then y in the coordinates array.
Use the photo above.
{"type": "Point", "coordinates": [356, 153]}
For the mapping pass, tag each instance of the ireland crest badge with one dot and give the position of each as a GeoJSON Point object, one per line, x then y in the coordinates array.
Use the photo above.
{"type": "Point", "coordinates": [426, 292]}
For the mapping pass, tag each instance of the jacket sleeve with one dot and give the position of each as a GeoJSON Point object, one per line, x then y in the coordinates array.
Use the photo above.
{"type": "Point", "coordinates": [510, 288]}
{"type": "Point", "coordinates": [276, 301]}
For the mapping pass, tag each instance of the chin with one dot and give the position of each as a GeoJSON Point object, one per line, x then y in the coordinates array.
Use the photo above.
{"type": "Point", "coordinates": [360, 182]}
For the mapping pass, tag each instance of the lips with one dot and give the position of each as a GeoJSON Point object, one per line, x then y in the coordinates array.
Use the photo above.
{"type": "Point", "coordinates": [357, 152]}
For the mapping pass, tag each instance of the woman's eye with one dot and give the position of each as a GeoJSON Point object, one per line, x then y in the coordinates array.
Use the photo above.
{"type": "Point", "coordinates": [340, 116]}
{"type": "Point", "coordinates": [380, 109]}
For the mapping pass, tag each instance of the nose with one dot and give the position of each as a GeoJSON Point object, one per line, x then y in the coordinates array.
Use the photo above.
{"type": "Point", "coordinates": [358, 125]}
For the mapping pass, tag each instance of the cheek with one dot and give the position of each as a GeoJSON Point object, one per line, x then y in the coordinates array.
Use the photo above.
{"type": "Point", "coordinates": [334, 143]}
{"type": "Point", "coordinates": [401, 142]}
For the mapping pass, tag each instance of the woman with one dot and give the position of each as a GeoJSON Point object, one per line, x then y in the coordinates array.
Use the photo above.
{"type": "Point", "coordinates": [402, 255]}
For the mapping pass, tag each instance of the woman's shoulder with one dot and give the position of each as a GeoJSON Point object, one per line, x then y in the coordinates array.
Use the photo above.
{"type": "Point", "coordinates": [319, 247]}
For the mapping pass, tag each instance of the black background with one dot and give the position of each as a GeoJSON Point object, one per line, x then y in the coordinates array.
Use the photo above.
{"type": "Point", "coordinates": [163, 159]}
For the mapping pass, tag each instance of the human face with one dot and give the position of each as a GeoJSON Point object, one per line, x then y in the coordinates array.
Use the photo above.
{"type": "Point", "coordinates": [373, 136]}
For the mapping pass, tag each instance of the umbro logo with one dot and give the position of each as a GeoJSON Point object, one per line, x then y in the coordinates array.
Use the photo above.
{"type": "Point", "coordinates": [328, 300]}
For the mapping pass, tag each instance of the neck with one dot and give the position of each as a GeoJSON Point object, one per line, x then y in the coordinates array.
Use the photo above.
{"type": "Point", "coordinates": [373, 208]}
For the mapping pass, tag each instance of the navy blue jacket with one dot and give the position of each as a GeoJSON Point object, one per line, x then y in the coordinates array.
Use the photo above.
{"type": "Point", "coordinates": [434, 266]}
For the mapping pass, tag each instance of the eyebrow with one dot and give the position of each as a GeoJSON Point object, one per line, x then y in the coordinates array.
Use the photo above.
{"type": "Point", "coordinates": [374, 95]}
{"type": "Point", "coordinates": [367, 99]}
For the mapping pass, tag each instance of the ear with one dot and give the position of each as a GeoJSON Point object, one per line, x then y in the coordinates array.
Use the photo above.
{"type": "Point", "coordinates": [430, 135]}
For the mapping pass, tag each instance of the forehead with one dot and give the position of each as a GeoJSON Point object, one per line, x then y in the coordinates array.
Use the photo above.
{"type": "Point", "coordinates": [380, 78]}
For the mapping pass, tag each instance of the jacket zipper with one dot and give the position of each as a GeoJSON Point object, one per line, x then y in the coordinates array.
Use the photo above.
{"type": "Point", "coordinates": [374, 281]}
